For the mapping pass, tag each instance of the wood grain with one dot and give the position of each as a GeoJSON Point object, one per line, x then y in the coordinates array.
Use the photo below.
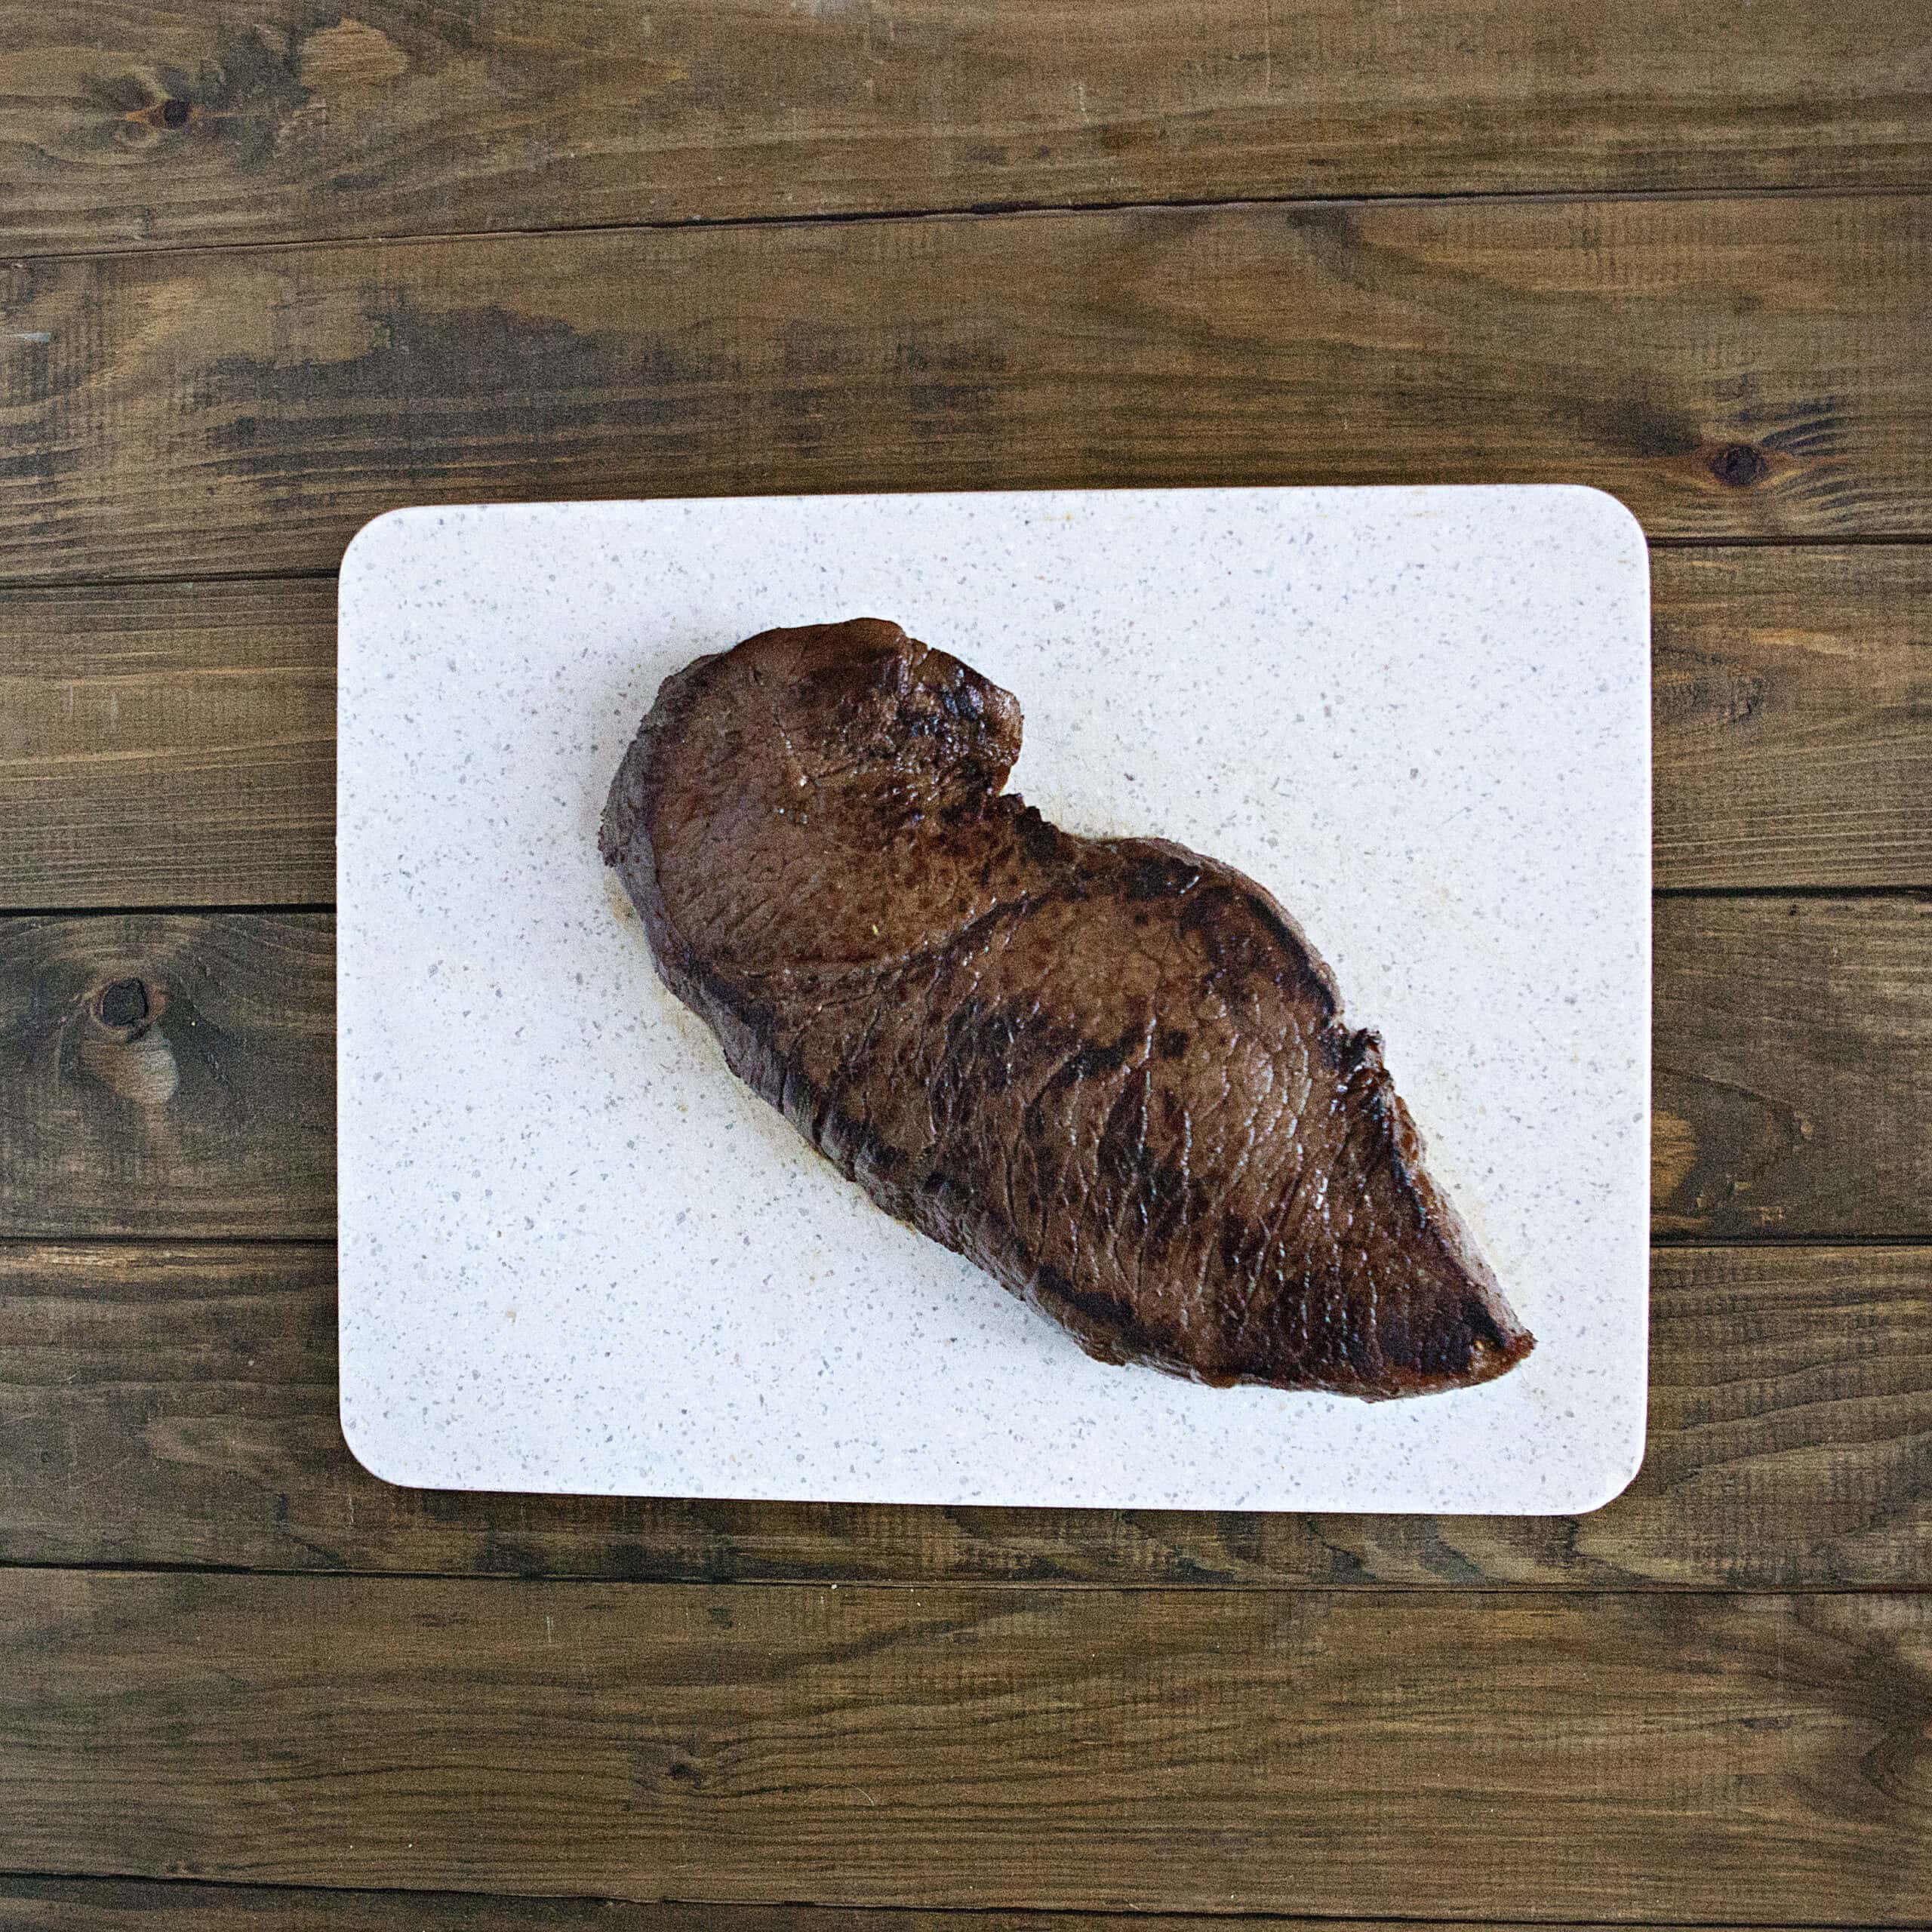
{"type": "Point", "coordinates": [1748, 367]}
{"type": "Point", "coordinates": [168, 1073]}
{"type": "Point", "coordinates": [172, 745]}
{"type": "Point", "coordinates": [97, 1905]}
{"type": "Point", "coordinates": [1793, 1072]}
{"type": "Point", "coordinates": [177, 744]}
{"type": "Point", "coordinates": [1792, 717]}
{"type": "Point", "coordinates": [140, 125]}
{"type": "Point", "coordinates": [1612, 1757]}
{"type": "Point", "coordinates": [178, 1406]}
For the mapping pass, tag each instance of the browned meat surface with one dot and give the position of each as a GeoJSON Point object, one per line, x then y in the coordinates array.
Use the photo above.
{"type": "Point", "coordinates": [1110, 1071]}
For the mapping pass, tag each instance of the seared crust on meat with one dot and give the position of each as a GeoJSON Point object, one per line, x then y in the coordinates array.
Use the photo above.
{"type": "Point", "coordinates": [1111, 1072]}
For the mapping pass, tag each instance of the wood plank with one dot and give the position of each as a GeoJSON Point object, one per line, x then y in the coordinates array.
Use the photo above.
{"type": "Point", "coordinates": [131, 1905]}
{"type": "Point", "coordinates": [1792, 717]}
{"type": "Point", "coordinates": [1793, 1072]}
{"type": "Point", "coordinates": [182, 122]}
{"type": "Point", "coordinates": [178, 1406]}
{"type": "Point", "coordinates": [1619, 1756]}
{"type": "Point", "coordinates": [1750, 367]}
{"type": "Point", "coordinates": [172, 744]}
{"type": "Point", "coordinates": [170, 1075]}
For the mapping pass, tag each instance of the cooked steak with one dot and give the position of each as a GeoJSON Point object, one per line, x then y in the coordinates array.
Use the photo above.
{"type": "Point", "coordinates": [1110, 1071]}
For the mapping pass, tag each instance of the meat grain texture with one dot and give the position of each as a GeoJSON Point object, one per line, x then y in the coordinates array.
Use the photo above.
{"type": "Point", "coordinates": [1110, 1071]}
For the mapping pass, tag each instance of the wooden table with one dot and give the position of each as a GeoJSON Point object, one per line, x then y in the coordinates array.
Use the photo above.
{"type": "Point", "coordinates": [272, 266]}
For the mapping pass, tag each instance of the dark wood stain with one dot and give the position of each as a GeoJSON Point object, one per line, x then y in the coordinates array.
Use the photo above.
{"type": "Point", "coordinates": [178, 745]}
{"type": "Point", "coordinates": [1792, 717]}
{"type": "Point", "coordinates": [127, 1904]}
{"type": "Point", "coordinates": [883, 1747]}
{"type": "Point", "coordinates": [389, 118]}
{"type": "Point", "coordinates": [306, 390]}
{"type": "Point", "coordinates": [174, 1073]}
{"type": "Point", "coordinates": [1816, 1062]}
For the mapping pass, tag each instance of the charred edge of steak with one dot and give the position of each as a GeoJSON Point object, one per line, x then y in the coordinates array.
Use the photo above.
{"type": "Point", "coordinates": [623, 833]}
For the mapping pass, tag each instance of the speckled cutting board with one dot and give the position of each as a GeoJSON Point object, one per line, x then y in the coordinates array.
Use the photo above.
{"type": "Point", "coordinates": [577, 1256]}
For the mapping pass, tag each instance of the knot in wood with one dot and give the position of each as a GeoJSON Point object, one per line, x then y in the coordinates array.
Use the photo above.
{"type": "Point", "coordinates": [1739, 465]}
{"type": "Point", "coordinates": [124, 1005]}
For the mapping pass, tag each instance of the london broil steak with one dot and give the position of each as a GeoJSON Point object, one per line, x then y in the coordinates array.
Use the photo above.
{"type": "Point", "coordinates": [1110, 1071]}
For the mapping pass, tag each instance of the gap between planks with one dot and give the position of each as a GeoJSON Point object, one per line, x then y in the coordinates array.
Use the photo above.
{"type": "Point", "coordinates": [1026, 1586]}
{"type": "Point", "coordinates": [976, 211]}
{"type": "Point", "coordinates": [670, 1915]}
{"type": "Point", "coordinates": [325, 574]}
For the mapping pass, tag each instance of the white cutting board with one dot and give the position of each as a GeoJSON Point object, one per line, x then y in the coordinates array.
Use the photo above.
{"type": "Point", "coordinates": [577, 1256]}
